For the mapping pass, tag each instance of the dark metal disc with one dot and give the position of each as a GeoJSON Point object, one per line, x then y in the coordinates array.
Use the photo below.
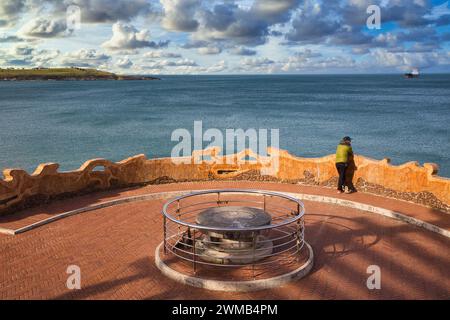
{"type": "Point", "coordinates": [233, 217]}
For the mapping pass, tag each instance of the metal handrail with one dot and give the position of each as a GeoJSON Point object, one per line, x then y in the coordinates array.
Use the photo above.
{"type": "Point", "coordinates": [206, 228]}
{"type": "Point", "coordinates": [285, 233]}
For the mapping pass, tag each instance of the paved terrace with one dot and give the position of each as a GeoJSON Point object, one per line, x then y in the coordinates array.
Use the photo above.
{"type": "Point", "coordinates": [114, 247]}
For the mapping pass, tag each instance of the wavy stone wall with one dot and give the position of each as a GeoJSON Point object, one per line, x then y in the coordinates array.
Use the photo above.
{"type": "Point", "coordinates": [409, 181]}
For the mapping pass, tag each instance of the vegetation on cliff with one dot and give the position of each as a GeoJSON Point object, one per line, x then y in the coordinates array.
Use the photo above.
{"type": "Point", "coordinates": [73, 73]}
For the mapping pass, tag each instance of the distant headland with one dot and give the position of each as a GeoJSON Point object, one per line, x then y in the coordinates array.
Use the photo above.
{"type": "Point", "coordinates": [72, 73]}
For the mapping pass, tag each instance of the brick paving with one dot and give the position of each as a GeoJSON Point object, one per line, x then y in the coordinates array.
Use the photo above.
{"type": "Point", "coordinates": [114, 247]}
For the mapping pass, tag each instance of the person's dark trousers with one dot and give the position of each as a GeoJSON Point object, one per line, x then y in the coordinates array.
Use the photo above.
{"type": "Point", "coordinates": [341, 168]}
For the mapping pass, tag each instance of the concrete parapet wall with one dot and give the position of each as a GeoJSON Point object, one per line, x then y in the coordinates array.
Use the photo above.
{"type": "Point", "coordinates": [409, 181]}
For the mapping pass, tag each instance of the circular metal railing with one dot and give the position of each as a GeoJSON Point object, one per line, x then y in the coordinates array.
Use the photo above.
{"type": "Point", "coordinates": [256, 247]}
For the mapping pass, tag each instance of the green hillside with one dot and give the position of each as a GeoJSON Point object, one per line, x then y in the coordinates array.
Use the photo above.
{"type": "Point", "coordinates": [63, 74]}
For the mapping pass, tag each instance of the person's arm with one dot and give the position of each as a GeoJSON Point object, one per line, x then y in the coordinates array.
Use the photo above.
{"type": "Point", "coordinates": [350, 151]}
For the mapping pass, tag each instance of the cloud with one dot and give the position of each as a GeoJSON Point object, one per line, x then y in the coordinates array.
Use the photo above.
{"type": "Point", "coordinates": [274, 11]}
{"type": "Point", "coordinates": [179, 14]}
{"type": "Point", "coordinates": [195, 44]}
{"type": "Point", "coordinates": [343, 23]}
{"type": "Point", "coordinates": [161, 65]}
{"type": "Point", "coordinates": [257, 61]}
{"type": "Point", "coordinates": [10, 11]}
{"type": "Point", "coordinates": [43, 28]}
{"type": "Point", "coordinates": [413, 32]}
{"type": "Point", "coordinates": [9, 38]}
{"type": "Point", "coordinates": [161, 54]}
{"type": "Point", "coordinates": [95, 11]}
{"type": "Point", "coordinates": [26, 55]}
{"type": "Point", "coordinates": [313, 23]}
{"type": "Point", "coordinates": [85, 58]}
{"type": "Point", "coordinates": [45, 57]}
{"type": "Point", "coordinates": [218, 67]}
{"type": "Point", "coordinates": [18, 55]}
{"type": "Point", "coordinates": [239, 25]}
{"type": "Point", "coordinates": [179, 63]}
{"type": "Point", "coordinates": [256, 65]}
{"type": "Point", "coordinates": [242, 51]}
{"type": "Point", "coordinates": [124, 63]}
{"type": "Point", "coordinates": [126, 36]}
{"type": "Point", "coordinates": [22, 50]}
{"type": "Point", "coordinates": [407, 60]}
{"type": "Point", "coordinates": [209, 50]}
{"type": "Point", "coordinates": [92, 11]}
{"type": "Point", "coordinates": [233, 24]}
{"type": "Point", "coordinates": [300, 60]}
{"type": "Point", "coordinates": [312, 64]}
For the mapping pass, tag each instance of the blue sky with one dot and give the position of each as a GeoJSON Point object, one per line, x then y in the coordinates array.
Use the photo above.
{"type": "Point", "coordinates": [227, 36]}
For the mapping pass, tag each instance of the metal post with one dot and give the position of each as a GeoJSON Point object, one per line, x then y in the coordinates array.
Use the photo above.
{"type": "Point", "coordinates": [165, 234]}
{"type": "Point", "coordinates": [298, 239]}
{"type": "Point", "coordinates": [254, 249]}
{"type": "Point", "coordinates": [218, 199]}
{"type": "Point", "coordinates": [178, 216]}
{"type": "Point", "coordinates": [264, 196]}
{"type": "Point", "coordinates": [194, 253]}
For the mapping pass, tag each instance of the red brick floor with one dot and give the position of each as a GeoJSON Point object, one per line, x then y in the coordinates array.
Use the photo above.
{"type": "Point", "coordinates": [114, 247]}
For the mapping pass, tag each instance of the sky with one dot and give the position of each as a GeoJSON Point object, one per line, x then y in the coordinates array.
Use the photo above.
{"type": "Point", "coordinates": [227, 36]}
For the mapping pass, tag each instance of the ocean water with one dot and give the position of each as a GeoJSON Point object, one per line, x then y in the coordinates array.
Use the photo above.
{"type": "Point", "coordinates": [70, 122]}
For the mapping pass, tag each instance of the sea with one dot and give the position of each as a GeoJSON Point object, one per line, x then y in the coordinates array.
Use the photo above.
{"type": "Point", "coordinates": [69, 122]}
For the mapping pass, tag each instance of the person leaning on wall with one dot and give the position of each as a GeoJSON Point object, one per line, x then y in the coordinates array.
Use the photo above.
{"type": "Point", "coordinates": [344, 154]}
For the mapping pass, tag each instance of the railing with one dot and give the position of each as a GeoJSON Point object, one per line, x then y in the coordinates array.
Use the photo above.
{"type": "Point", "coordinates": [270, 245]}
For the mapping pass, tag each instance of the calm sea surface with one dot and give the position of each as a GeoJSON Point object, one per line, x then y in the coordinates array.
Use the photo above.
{"type": "Point", "coordinates": [70, 122]}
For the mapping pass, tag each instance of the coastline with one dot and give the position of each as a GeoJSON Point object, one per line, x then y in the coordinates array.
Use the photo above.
{"type": "Point", "coordinates": [66, 74]}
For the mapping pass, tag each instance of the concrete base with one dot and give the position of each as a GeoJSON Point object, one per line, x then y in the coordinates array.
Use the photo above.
{"type": "Point", "coordinates": [235, 286]}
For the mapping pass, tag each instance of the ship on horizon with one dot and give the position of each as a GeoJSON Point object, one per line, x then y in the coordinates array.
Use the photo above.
{"type": "Point", "coordinates": [413, 74]}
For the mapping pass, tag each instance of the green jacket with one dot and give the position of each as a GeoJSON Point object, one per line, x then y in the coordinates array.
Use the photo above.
{"type": "Point", "coordinates": [343, 151]}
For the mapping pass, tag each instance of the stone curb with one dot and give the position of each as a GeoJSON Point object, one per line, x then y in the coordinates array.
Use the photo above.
{"type": "Point", "coordinates": [372, 209]}
{"type": "Point", "coordinates": [235, 286]}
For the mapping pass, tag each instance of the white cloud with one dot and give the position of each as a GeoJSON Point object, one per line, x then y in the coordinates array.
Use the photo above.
{"type": "Point", "coordinates": [10, 11]}
{"type": "Point", "coordinates": [85, 58]}
{"type": "Point", "coordinates": [218, 67]}
{"type": "Point", "coordinates": [103, 11]}
{"type": "Point", "coordinates": [160, 65]}
{"type": "Point", "coordinates": [126, 36]}
{"type": "Point", "coordinates": [161, 54]}
{"type": "Point", "coordinates": [43, 28]}
{"type": "Point", "coordinates": [209, 50]}
{"type": "Point", "coordinates": [26, 55]}
{"type": "Point", "coordinates": [405, 61]}
{"type": "Point", "coordinates": [242, 51]}
{"type": "Point", "coordinates": [124, 63]}
{"type": "Point", "coordinates": [179, 14]}
{"type": "Point", "coordinates": [257, 62]}
{"type": "Point", "coordinates": [224, 29]}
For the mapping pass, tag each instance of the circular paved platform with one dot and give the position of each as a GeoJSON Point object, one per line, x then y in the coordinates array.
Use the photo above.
{"type": "Point", "coordinates": [114, 248]}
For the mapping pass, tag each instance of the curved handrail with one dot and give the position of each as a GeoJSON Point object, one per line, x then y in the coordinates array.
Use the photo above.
{"type": "Point", "coordinates": [299, 214]}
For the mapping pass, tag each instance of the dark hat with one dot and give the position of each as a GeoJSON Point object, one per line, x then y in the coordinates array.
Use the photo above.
{"type": "Point", "coordinates": [347, 138]}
